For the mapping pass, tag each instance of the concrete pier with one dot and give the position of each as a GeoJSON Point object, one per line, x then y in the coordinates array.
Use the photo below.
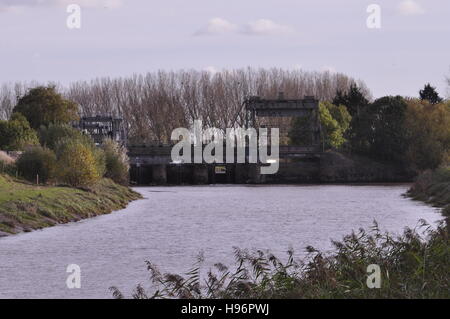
{"type": "Point", "coordinates": [159, 174]}
{"type": "Point", "coordinates": [254, 174]}
{"type": "Point", "coordinates": [200, 174]}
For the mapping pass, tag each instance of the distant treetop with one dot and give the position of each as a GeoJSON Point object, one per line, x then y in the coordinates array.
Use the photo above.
{"type": "Point", "coordinates": [354, 99]}
{"type": "Point", "coordinates": [430, 94]}
{"type": "Point", "coordinates": [44, 106]}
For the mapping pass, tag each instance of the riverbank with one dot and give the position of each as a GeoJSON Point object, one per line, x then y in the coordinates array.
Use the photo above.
{"type": "Point", "coordinates": [25, 207]}
{"type": "Point", "coordinates": [433, 187]}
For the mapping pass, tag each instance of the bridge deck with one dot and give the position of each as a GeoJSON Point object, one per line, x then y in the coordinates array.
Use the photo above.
{"type": "Point", "coordinates": [162, 154]}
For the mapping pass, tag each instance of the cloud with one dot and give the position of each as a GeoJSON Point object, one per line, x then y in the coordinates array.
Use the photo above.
{"type": "Point", "coordinates": [91, 3]}
{"type": "Point", "coordinates": [410, 8]}
{"type": "Point", "coordinates": [17, 5]}
{"type": "Point", "coordinates": [266, 27]}
{"type": "Point", "coordinates": [217, 26]}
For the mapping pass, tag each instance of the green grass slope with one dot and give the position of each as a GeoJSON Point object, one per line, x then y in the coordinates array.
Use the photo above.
{"type": "Point", "coordinates": [26, 207]}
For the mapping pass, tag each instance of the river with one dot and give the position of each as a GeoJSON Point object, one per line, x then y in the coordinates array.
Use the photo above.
{"type": "Point", "coordinates": [173, 224]}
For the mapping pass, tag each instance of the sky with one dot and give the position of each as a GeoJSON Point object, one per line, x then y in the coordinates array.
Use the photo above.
{"type": "Point", "coordinates": [123, 37]}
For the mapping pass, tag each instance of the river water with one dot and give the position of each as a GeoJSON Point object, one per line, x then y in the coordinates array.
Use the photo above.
{"type": "Point", "coordinates": [173, 224]}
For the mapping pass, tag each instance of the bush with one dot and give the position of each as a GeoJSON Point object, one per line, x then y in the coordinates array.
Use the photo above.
{"type": "Point", "coordinates": [7, 168]}
{"type": "Point", "coordinates": [37, 161]}
{"type": "Point", "coordinates": [16, 134]}
{"type": "Point", "coordinates": [117, 162]}
{"type": "Point", "coordinates": [54, 134]}
{"type": "Point", "coordinates": [433, 187]}
{"type": "Point", "coordinates": [79, 165]}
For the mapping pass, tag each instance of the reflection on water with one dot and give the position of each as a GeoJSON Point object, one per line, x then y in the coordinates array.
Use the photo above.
{"type": "Point", "coordinates": [173, 224]}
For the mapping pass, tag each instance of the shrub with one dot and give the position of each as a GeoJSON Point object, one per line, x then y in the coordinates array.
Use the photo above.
{"type": "Point", "coordinates": [52, 135]}
{"type": "Point", "coordinates": [16, 134]}
{"type": "Point", "coordinates": [7, 168]}
{"type": "Point", "coordinates": [37, 161]}
{"type": "Point", "coordinates": [117, 162]}
{"type": "Point", "coordinates": [433, 187]}
{"type": "Point", "coordinates": [79, 165]}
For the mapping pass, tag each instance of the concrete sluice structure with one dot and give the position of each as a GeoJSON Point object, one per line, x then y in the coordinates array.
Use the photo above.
{"type": "Point", "coordinates": [151, 165]}
{"type": "Point", "coordinates": [297, 164]}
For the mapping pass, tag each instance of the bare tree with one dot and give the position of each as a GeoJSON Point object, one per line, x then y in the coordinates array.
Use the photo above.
{"type": "Point", "coordinates": [153, 104]}
{"type": "Point", "coordinates": [447, 79]}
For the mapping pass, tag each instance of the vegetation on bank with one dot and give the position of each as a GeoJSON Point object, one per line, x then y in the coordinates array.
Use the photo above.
{"type": "Point", "coordinates": [433, 187]}
{"type": "Point", "coordinates": [61, 175]}
{"type": "Point", "coordinates": [26, 207]}
{"type": "Point", "coordinates": [53, 151]}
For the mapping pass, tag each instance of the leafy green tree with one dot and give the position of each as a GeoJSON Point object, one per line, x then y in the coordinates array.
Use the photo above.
{"type": "Point", "coordinates": [37, 161]}
{"type": "Point", "coordinates": [356, 104]}
{"type": "Point", "coordinates": [335, 121]}
{"type": "Point", "coordinates": [430, 94]}
{"type": "Point", "coordinates": [387, 133]}
{"type": "Point", "coordinates": [117, 162]}
{"type": "Point", "coordinates": [16, 134]}
{"type": "Point", "coordinates": [44, 106]}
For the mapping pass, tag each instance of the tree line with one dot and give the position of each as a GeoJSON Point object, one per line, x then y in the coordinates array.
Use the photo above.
{"type": "Point", "coordinates": [154, 104]}
{"type": "Point", "coordinates": [413, 132]}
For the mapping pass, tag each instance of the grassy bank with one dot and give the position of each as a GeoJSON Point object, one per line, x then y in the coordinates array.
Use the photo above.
{"type": "Point", "coordinates": [26, 207]}
{"type": "Point", "coordinates": [433, 187]}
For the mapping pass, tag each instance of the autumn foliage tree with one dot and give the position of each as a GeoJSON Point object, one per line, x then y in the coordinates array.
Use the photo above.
{"type": "Point", "coordinates": [427, 127]}
{"type": "Point", "coordinates": [77, 164]}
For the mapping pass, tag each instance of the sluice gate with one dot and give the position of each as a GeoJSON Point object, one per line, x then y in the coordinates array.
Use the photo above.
{"type": "Point", "coordinates": [299, 151]}
{"type": "Point", "coordinates": [152, 165]}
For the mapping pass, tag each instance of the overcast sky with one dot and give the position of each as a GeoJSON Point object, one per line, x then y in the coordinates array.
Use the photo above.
{"type": "Point", "coordinates": [122, 37]}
